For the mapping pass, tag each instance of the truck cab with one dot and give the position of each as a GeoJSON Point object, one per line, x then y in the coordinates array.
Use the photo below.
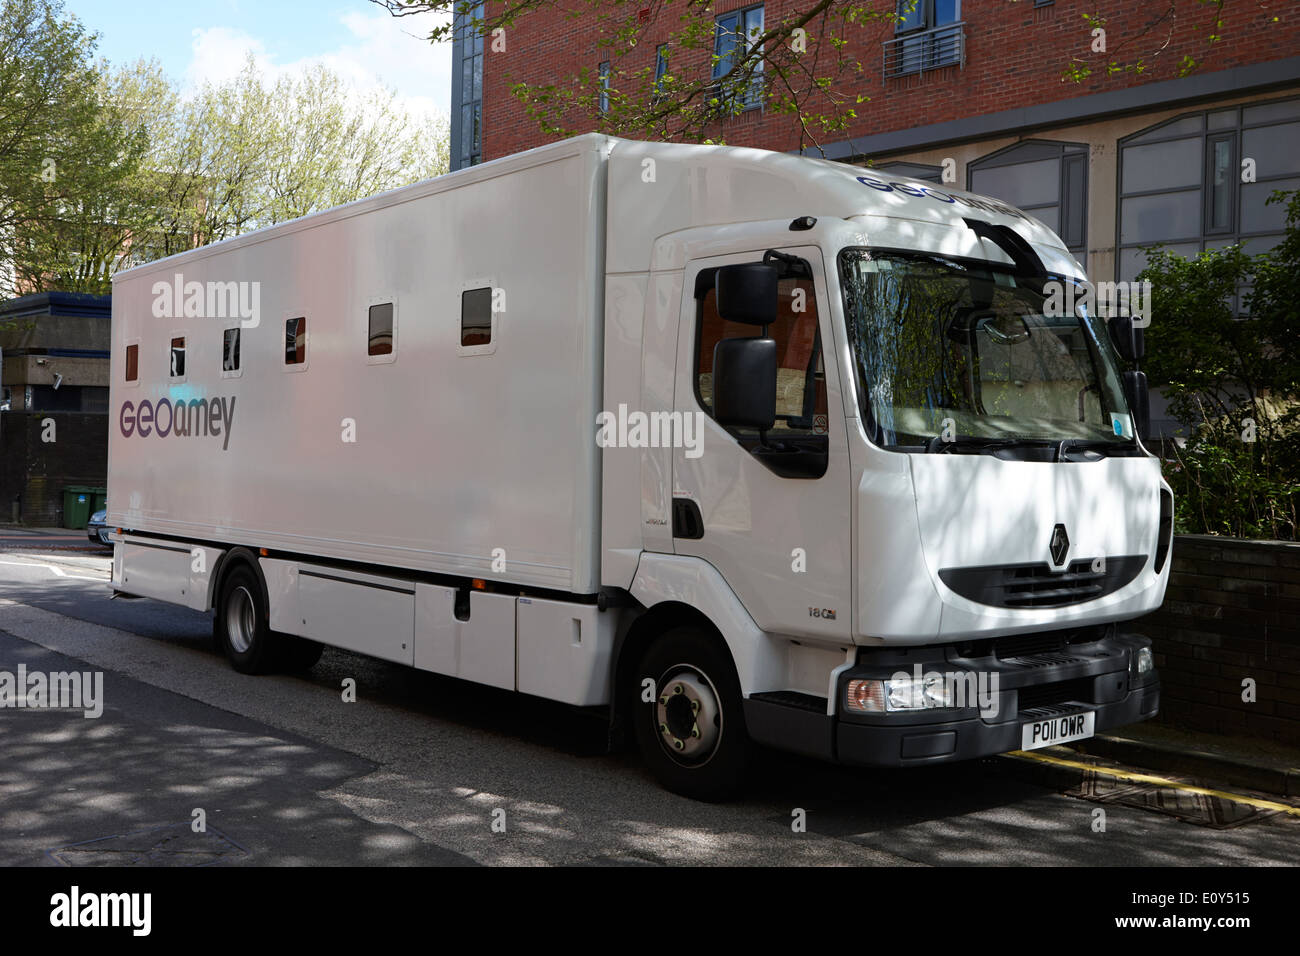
{"type": "Point", "coordinates": [921, 514]}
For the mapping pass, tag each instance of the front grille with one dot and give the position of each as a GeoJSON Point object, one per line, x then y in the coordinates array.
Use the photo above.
{"type": "Point", "coordinates": [1037, 585]}
{"type": "Point", "coordinates": [1053, 695]}
{"type": "Point", "coordinates": [1026, 645]}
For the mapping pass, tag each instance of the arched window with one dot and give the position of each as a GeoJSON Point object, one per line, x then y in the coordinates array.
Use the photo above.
{"type": "Point", "coordinates": [1201, 181]}
{"type": "Point", "coordinates": [1048, 180]}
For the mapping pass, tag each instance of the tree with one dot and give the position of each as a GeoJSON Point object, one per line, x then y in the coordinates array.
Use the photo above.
{"type": "Point", "coordinates": [249, 153]}
{"type": "Point", "coordinates": [806, 64]}
{"type": "Point", "coordinates": [139, 172]}
{"type": "Point", "coordinates": [1233, 382]}
{"type": "Point", "coordinates": [61, 157]}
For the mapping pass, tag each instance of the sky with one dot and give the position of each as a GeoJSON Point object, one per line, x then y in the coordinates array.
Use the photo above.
{"type": "Point", "coordinates": [198, 40]}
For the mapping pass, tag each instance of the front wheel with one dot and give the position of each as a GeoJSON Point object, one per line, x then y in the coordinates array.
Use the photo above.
{"type": "Point", "coordinates": [691, 732]}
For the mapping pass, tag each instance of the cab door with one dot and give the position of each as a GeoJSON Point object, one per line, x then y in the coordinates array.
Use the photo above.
{"type": "Point", "coordinates": [772, 511]}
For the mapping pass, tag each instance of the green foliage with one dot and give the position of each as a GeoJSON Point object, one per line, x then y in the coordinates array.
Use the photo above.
{"type": "Point", "coordinates": [62, 158]}
{"type": "Point", "coordinates": [102, 168]}
{"type": "Point", "coordinates": [1233, 382]}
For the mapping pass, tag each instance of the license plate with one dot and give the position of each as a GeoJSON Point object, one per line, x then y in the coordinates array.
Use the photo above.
{"type": "Point", "coordinates": [1057, 730]}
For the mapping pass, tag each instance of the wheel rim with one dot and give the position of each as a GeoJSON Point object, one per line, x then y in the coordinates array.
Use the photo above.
{"type": "Point", "coordinates": [241, 619]}
{"type": "Point", "coordinates": [688, 715]}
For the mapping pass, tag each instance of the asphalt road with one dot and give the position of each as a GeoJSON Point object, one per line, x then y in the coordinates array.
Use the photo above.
{"type": "Point", "coordinates": [416, 770]}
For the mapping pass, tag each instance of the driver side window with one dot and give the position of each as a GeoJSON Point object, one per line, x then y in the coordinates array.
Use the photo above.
{"type": "Point", "coordinates": [796, 444]}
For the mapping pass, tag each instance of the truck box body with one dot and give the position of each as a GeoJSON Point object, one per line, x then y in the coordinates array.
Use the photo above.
{"type": "Point", "coordinates": [539, 472]}
{"type": "Point", "coordinates": [456, 451]}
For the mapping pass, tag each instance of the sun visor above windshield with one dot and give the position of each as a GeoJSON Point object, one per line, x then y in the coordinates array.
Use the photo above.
{"type": "Point", "coordinates": [956, 239]}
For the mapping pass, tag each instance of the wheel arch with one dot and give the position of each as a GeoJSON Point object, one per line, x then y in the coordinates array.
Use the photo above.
{"type": "Point", "coordinates": [682, 581]}
{"type": "Point", "coordinates": [229, 561]}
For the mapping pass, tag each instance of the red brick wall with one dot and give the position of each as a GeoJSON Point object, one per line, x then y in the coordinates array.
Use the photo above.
{"type": "Point", "coordinates": [1015, 57]}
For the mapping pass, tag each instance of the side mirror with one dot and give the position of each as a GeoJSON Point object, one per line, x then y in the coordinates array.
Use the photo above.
{"type": "Point", "coordinates": [744, 383]}
{"type": "Point", "coordinates": [747, 293]}
{"type": "Point", "coordinates": [1139, 401]}
{"type": "Point", "coordinates": [1129, 340]}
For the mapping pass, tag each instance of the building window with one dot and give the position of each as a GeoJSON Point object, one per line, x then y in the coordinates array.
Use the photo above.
{"type": "Point", "coordinates": [295, 341]}
{"type": "Point", "coordinates": [1181, 182]}
{"type": "Point", "coordinates": [602, 74]}
{"type": "Point", "coordinates": [929, 34]}
{"type": "Point", "coordinates": [89, 399]}
{"type": "Point", "coordinates": [661, 68]}
{"type": "Point", "coordinates": [1045, 179]}
{"type": "Point", "coordinates": [178, 357]}
{"type": "Point", "coordinates": [467, 89]}
{"type": "Point", "coordinates": [734, 36]}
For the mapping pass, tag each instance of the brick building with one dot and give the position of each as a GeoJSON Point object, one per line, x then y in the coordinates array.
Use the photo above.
{"type": "Point", "coordinates": [1113, 163]}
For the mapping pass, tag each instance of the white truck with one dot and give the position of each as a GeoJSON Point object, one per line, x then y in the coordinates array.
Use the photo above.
{"type": "Point", "coordinates": [744, 447]}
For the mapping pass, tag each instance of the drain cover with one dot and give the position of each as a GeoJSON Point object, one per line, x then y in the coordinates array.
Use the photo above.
{"type": "Point", "coordinates": [173, 845]}
{"type": "Point", "coordinates": [1202, 809]}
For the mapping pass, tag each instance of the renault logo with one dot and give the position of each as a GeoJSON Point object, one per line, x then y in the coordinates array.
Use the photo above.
{"type": "Point", "coordinates": [1059, 546]}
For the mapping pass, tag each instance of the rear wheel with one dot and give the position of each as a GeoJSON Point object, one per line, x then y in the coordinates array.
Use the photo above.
{"type": "Point", "coordinates": [692, 733]}
{"type": "Point", "coordinates": [242, 625]}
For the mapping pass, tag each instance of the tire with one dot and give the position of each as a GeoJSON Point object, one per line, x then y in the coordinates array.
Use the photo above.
{"type": "Point", "coordinates": [242, 624]}
{"type": "Point", "coordinates": [692, 735]}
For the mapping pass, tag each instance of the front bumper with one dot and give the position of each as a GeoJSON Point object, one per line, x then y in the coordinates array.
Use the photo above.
{"type": "Point", "coordinates": [1092, 672]}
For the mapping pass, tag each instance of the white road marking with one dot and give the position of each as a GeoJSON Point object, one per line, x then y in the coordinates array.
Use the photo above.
{"type": "Point", "coordinates": [58, 571]}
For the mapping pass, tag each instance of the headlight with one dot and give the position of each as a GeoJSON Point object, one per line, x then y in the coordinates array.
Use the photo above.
{"type": "Point", "coordinates": [913, 693]}
{"type": "Point", "coordinates": [1145, 661]}
{"type": "Point", "coordinates": [900, 693]}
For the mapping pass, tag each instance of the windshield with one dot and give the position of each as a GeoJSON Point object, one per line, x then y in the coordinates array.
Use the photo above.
{"type": "Point", "coordinates": [951, 349]}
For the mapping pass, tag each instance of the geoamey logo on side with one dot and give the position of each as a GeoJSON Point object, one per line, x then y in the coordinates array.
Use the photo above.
{"type": "Point", "coordinates": [197, 418]}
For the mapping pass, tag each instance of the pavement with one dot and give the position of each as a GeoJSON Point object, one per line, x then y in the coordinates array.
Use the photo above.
{"type": "Point", "coordinates": [1235, 761]}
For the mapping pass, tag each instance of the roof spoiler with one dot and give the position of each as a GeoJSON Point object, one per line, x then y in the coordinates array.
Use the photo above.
{"type": "Point", "coordinates": [1012, 243]}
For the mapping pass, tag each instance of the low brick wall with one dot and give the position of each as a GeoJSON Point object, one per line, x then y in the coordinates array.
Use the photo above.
{"type": "Point", "coordinates": [1232, 612]}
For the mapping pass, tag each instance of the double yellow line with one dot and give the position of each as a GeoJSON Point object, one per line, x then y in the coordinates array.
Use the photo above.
{"type": "Point", "coordinates": [1130, 776]}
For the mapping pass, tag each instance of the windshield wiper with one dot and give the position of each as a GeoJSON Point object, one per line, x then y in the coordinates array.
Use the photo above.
{"type": "Point", "coordinates": [938, 445]}
{"type": "Point", "coordinates": [1062, 446]}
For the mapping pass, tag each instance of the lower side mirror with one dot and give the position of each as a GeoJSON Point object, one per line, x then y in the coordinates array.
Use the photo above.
{"type": "Point", "coordinates": [1139, 401]}
{"type": "Point", "coordinates": [744, 383]}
